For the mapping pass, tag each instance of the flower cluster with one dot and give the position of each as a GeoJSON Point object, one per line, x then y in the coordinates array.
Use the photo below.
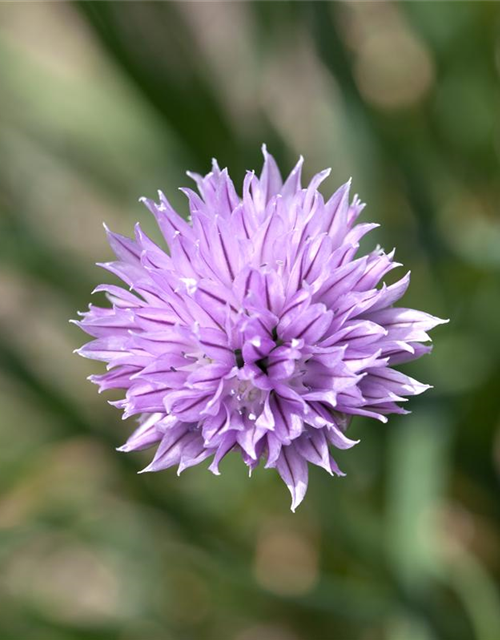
{"type": "Point", "coordinates": [260, 331]}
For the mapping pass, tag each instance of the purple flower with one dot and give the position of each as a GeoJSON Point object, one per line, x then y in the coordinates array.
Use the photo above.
{"type": "Point", "coordinates": [260, 332]}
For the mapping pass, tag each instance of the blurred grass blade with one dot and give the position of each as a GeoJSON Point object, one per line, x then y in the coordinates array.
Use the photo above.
{"type": "Point", "coordinates": [154, 48]}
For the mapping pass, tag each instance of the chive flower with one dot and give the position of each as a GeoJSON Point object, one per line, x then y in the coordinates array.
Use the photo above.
{"type": "Point", "coordinates": [260, 331]}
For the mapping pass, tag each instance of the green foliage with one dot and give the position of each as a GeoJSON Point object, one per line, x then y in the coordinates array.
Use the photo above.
{"type": "Point", "coordinates": [103, 102]}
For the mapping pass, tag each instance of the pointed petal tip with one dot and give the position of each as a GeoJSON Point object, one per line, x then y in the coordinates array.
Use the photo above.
{"type": "Point", "coordinates": [296, 501]}
{"type": "Point", "coordinates": [123, 449]}
{"type": "Point", "coordinates": [149, 203]}
{"type": "Point", "coordinates": [352, 443]}
{"type": "Point", "coordinates": [147, 469]}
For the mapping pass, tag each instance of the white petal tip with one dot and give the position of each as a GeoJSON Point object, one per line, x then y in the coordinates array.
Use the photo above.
{"type": "Point", "coordinates": [352, 443]}
{"type": "Point", "coordinates": [147, 469]}
{"type": "Point", "coordinates": [295, 504]}
{"type": "Point", "coordinates": [124, 449]}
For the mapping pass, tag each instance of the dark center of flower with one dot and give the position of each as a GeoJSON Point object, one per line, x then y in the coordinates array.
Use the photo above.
{"type": "Point", "coordinates": [239, 358]}
{"type": "Point", "coordinates": [274, 334]}
{"type": "Point", "coordinates": [262, 364]}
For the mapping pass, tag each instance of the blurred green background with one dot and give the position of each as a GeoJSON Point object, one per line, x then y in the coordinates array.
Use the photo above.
{"type": "Point", "coordinates": [101, 103]}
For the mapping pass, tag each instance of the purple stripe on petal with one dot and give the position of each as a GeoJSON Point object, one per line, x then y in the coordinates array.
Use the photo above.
{"type": "Point", "coordinates": [292, 468]}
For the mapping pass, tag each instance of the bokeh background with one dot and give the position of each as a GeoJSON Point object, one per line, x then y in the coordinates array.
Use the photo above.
{"type": "Point", "coordinates": [101, 103]}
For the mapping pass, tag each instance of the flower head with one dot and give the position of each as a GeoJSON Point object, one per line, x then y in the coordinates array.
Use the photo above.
{"type": "Point", "coordinates": [260, 332]}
